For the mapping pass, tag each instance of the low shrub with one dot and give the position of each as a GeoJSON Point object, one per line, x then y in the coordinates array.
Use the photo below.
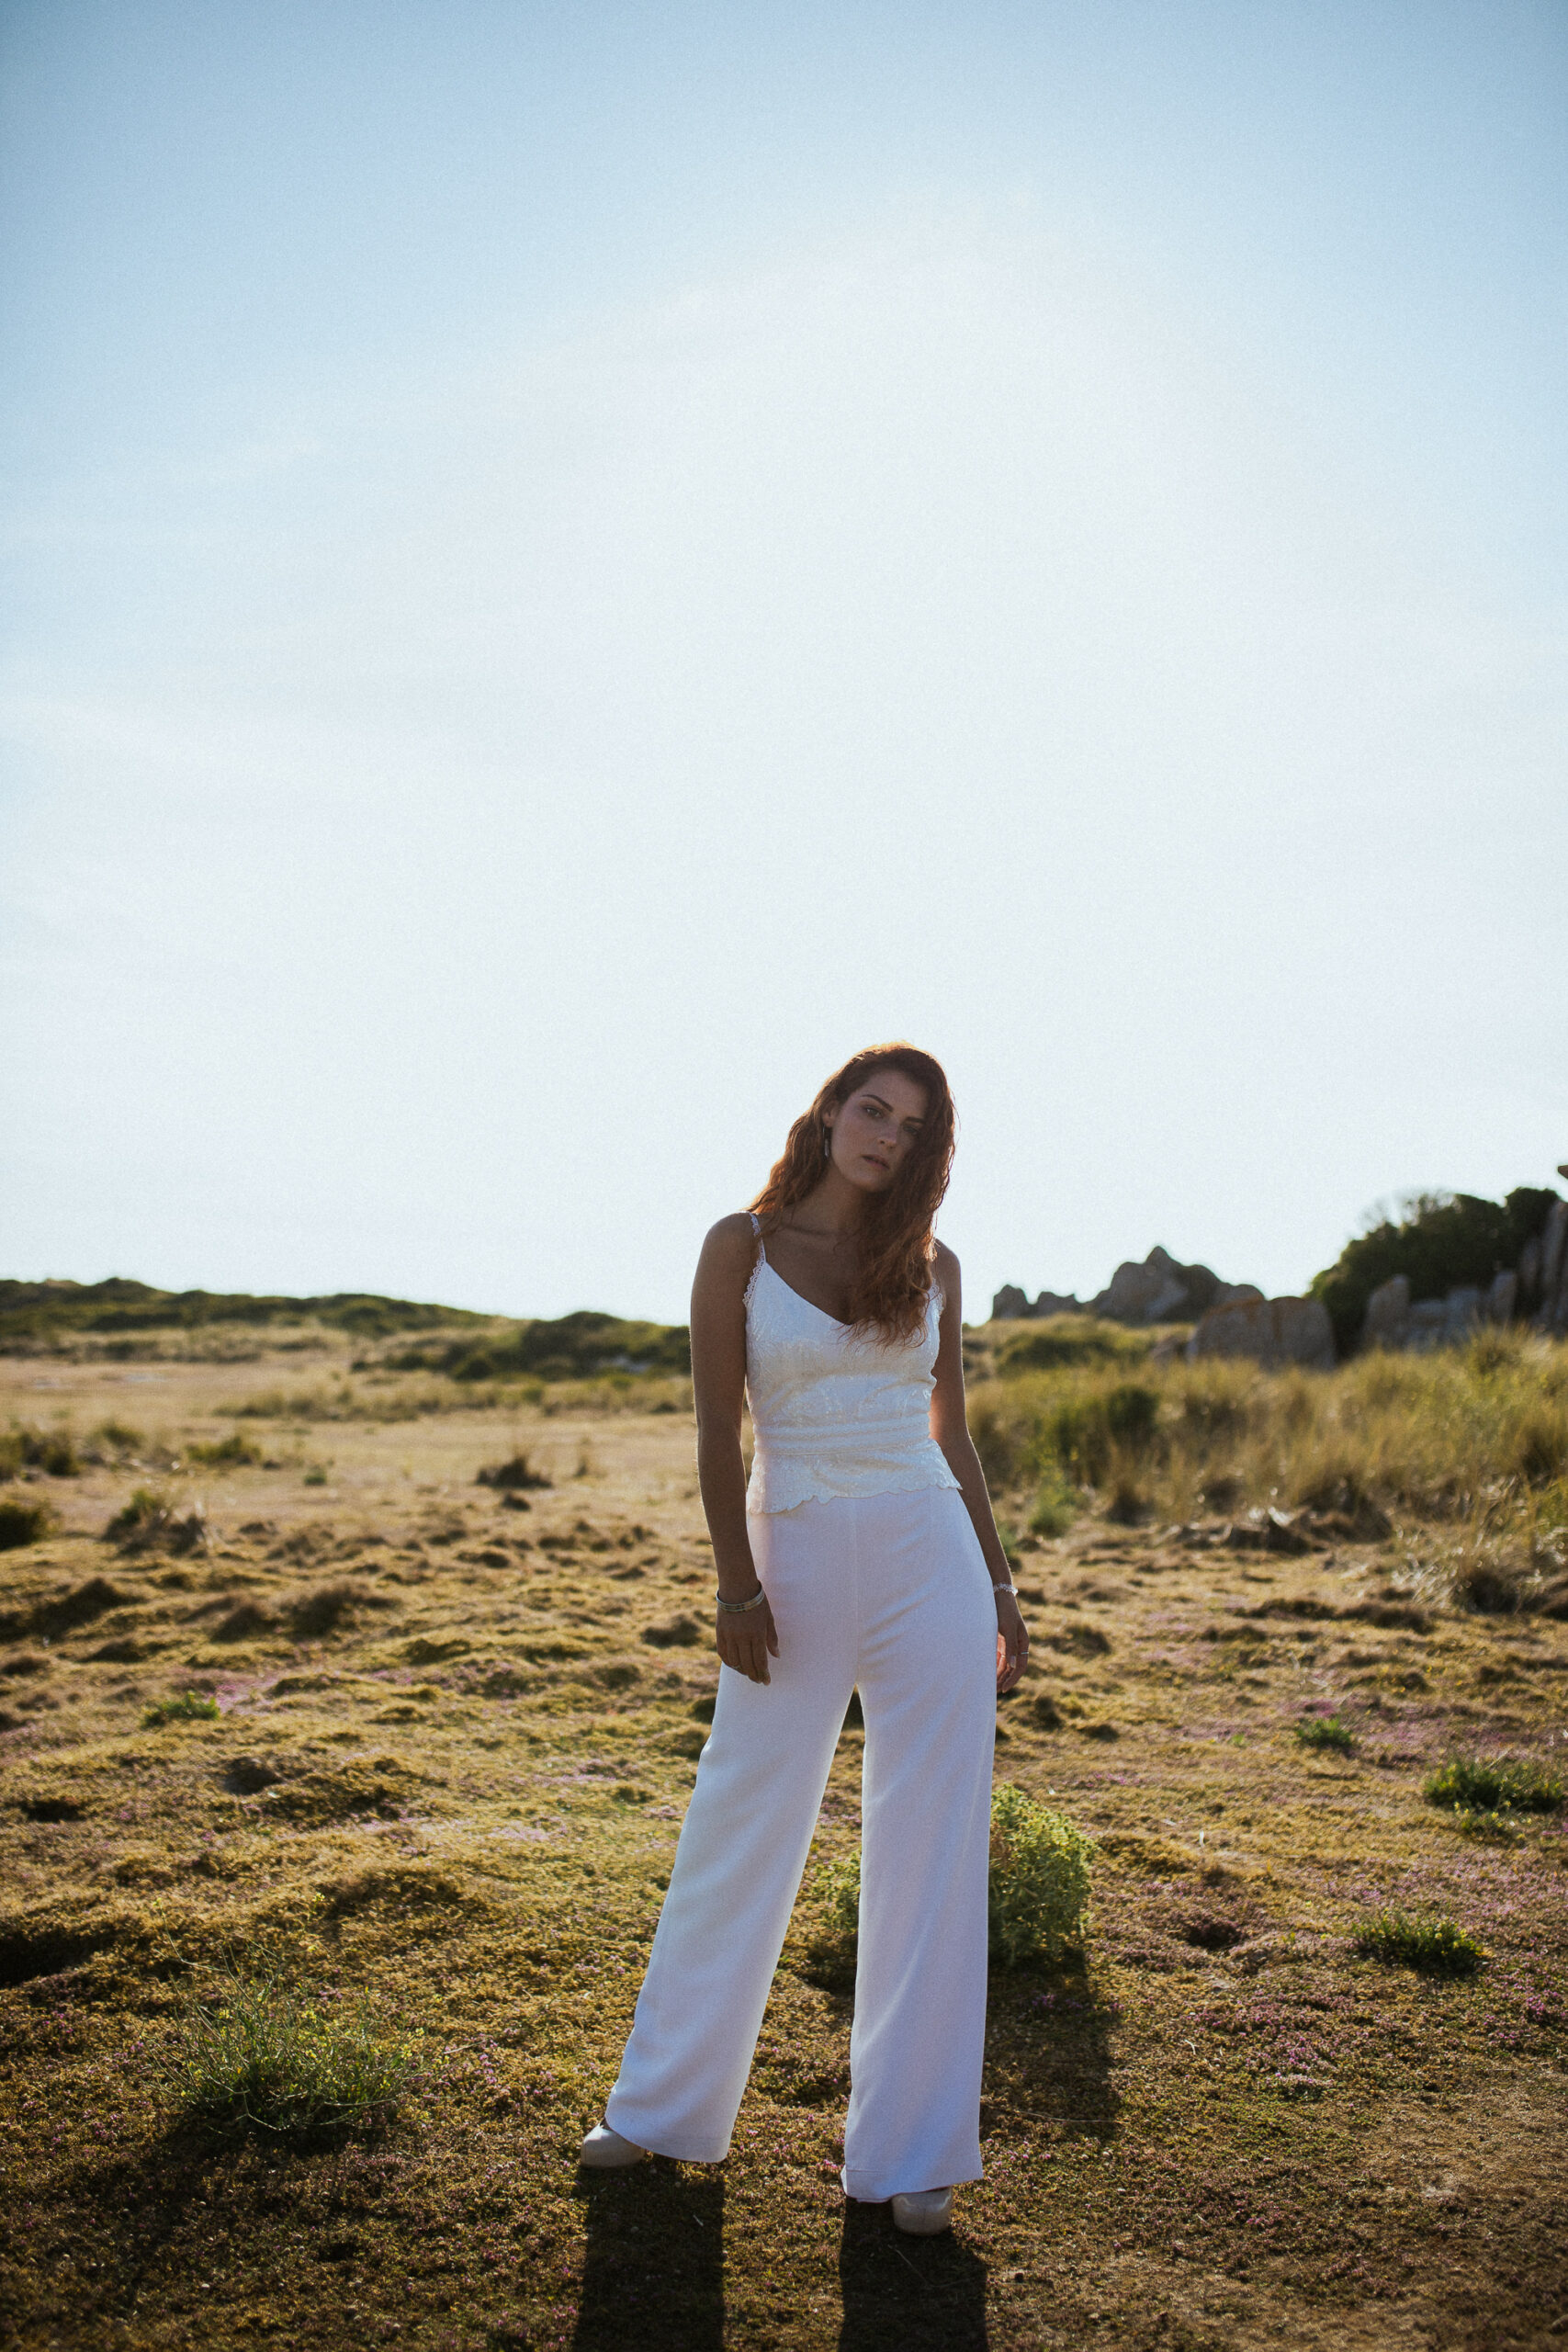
{"type": "Point", "coordinates": [1039, 1880]}
{"type": "Point", "coordinates": [1436, 1947]}
{"type": "Point", "coordinates": [24, 1519]}
{"type": "Point", "coordinates": [1038, 1885]}
{"type": "Point", "coordinates": [1494, 1784]}
{"type": "Point", "coordinates": [188, 1706]}
{"type": "Point", "coordinates": [267, 2056]}
{"type": "Point", "coordinates": [1325, 1731]}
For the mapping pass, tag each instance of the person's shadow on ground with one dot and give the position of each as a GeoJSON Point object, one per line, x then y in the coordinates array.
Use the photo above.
{"type": "Point", "coordinates": [905, 2294]}
{"type": "Point", "coordinates": [653, 2270]}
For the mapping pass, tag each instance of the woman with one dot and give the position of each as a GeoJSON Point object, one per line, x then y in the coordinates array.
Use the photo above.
{"type": "Point", "coordinates": [864, 1556]}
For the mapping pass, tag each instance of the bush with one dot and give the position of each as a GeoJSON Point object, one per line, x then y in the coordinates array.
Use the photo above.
{"type": "Point", "coordinates": [1494, 1784]}
{"type": "Point", "coordinates": [1436, 1947]}
{"type": "Point", "coordinates": [23, 1520]}
{"type": "Point", "coordinates": [268, 2056]}
{"type": "Point", "coordinates": [1325, 1731]}
{"type": "Point", "coordinates": [189, 1706]}
{"type": "Point", "coordinates": [1039, 1880]}
{"type": "Point", "coordinates": [1039, 1885]}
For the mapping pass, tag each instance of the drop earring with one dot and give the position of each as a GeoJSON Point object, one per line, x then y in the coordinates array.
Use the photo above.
{"type": "Point", "coordinates": [826, 1143]}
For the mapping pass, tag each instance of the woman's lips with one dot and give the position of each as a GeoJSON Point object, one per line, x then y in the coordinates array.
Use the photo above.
{"type": "Point", "coordinates": [872, 1160]}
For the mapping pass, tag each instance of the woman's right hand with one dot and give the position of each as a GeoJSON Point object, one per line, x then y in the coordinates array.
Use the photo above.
{"type": "Point", "coordinates": [748, 1641]}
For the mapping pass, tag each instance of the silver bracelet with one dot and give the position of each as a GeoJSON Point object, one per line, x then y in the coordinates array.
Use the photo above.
{"type": "Point", "coordinates": [740, 1608]}
{"type": "Point", "coordinates": [1006, 1587]}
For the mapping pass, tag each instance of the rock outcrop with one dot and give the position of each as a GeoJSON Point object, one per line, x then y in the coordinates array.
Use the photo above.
{"type": "Point", "coordinates": [1161, 1290]}
{"type": "Point", "coordinates": [1271, 1331]}
{"type": "Point", "coordinates": [1395, 1322]}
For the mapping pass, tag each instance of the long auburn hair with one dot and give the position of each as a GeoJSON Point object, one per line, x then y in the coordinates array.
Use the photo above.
{"type": "Point", "coordinates": [892, 1289]}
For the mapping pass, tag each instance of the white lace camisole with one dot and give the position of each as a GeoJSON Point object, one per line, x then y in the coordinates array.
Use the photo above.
{"type": "Point", "coordinates": [835, 1412]}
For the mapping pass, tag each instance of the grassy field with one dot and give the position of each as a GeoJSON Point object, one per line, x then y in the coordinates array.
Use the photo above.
{"type": "Point", "coordinates": [1273, 2102]}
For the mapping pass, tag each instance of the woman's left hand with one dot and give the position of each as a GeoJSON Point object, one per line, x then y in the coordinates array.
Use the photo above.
{"type": "Point", "coordinates": [1013, 1642]}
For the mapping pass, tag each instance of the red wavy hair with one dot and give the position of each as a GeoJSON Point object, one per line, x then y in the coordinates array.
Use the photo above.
{"type": "Point", "coordinates": [890, 1293]}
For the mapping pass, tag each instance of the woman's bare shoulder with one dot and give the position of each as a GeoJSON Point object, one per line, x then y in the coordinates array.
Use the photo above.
{"type": "Point", "coordinates": [947, 1264]}
{"type": "Point", "coordinates": [731, 1242]}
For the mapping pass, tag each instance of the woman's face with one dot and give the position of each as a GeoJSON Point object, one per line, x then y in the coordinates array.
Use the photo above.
{"type": "Point", "coordinates": [873, 1132]}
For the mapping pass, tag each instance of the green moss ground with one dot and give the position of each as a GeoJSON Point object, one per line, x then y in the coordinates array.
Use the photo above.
{"type": "Point", "coordinates": [1219, 2128]}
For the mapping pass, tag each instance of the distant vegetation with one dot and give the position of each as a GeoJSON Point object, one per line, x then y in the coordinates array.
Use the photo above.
{"type": "Point", "coordinates": [574, 1347]}
{"type": "Point", "coordinates": [124, 1319]}
{"type": "Point", "coordinates": [47, 1313]}
{"type": "Point", "coordinates": [1438, 1243]}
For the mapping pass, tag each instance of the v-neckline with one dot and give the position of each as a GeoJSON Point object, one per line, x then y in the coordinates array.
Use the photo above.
{"type": "Point", "coordinates": [839, 1325]}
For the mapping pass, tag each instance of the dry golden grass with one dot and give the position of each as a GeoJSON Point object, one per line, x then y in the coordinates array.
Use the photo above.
{"type": "Point", "coordinates": [443, 1787]}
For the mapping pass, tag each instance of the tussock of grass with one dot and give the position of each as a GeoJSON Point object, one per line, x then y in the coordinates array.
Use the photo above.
{"type": "Point", "coordinates": [1436, 1947]}
{"type": "Point", "coordinates": [1474, 1438]}
{"type": "Point", "coordinates": [265, 2055]}
{"type": "Point", "coordinates": [515, 1473]}
{"type": "Point", "coordinates": [235, 1451]}
{"type": "Point", "coordinates": [152, 1522]}
{"type": "Point", "coordinates": [1325, 1731]}
{"type": "Point", "coordinates": [187, 1706]}
{"type": "Point", "coordinates": [24, 1518]}
{"type": "Point", "coordinates": [320, 1610]}
{"type": "Point", "coordinates": [1494, 1784]}
{"type": "Point", "coordinates": [24, 1446]}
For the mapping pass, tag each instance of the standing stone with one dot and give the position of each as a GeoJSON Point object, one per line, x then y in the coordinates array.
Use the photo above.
{"type": "Point", "coordinates": [1050, 1302]}
{"type": "Point", "coordinates": [1387, 1323]}
{"type": "Point", "coordinates": [1462, 1311]}
{"type": "Point", "coordinates": [1498, 1306]}
{"type": "Point", "coordinates": [1529, 1271]}
{"type": "Point", "coordinates": [1551, 1251]}
{"type": "Point", "coordinates": [1008, 1303]}
{"type": "Point", "coordinates": [1271, 1331]}
{"type": "Point", "coordinates": [1428, 1325]}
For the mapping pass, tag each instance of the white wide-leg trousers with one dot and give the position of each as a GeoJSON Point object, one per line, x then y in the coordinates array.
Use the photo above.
{"type": "Point", "coordinates": [889, 1593]}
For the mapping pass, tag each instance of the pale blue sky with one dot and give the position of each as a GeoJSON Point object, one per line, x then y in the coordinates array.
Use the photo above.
{"type": "Point", "coordinates": [569, 566]}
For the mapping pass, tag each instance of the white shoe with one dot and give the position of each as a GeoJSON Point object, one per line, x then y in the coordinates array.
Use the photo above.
{"type": "Point", "coordinates": [924, 2212]}
{"type": "Point", "coordinates": [604, 2148]}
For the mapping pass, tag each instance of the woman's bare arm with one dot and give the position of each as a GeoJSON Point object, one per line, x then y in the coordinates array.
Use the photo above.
{"type": "Point", "coordinates": [718, 1388]}
{"type": "Point", "coordinates": [949, 1427]}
